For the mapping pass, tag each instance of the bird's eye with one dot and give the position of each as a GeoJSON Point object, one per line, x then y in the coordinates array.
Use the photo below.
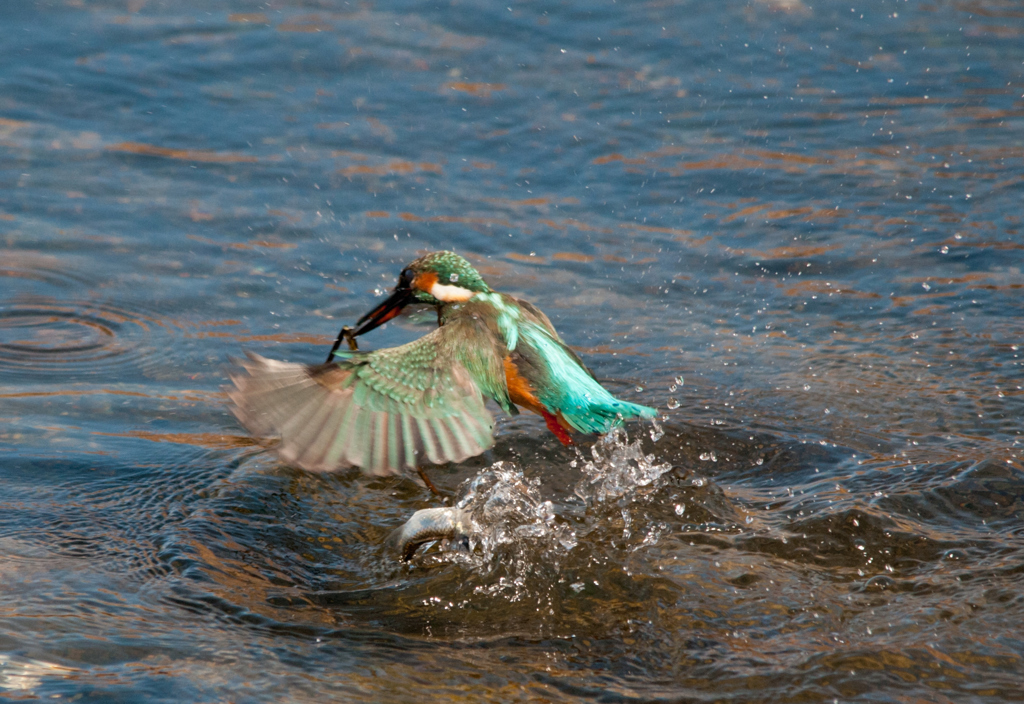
{"type": "Point", "coordinates": [406, 275]}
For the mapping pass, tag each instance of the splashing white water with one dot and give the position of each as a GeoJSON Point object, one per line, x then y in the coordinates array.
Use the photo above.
{"type": "Point", "coordinates": [516, 535]}
{"type": "Point", "coordinates": [515, 532]}
{"type": "Point", "coordinates": [657, 432]}
{"type": "Point", "coordinates": [510, 510]}
{"type": "Point", "coordinates": [618, 468]}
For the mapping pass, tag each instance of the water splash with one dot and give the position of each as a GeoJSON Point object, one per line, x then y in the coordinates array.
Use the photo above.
{"type": "Point", "coordinates": [503, 521]}
{"type": "Point", "coordinates": [657, 431]}
{"type": "Point", "coordinates": [519, 540]}
{"type": "Point", "coordinates": [511, 511]}
{"type": "Point", "coordinates": [516, 543]}
{"type": "Point", "coordinates": [618, 468]}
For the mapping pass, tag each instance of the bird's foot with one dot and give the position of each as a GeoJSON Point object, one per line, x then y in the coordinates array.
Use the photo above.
{"type": "Point", "coordinates": [558, 429]}
{"type": "Point", "coordinates": [344, 336]}
{"type": "Point", "coordinates": [430, 484]}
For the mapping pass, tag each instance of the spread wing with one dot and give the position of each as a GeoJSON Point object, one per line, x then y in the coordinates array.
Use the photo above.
{"type": "Point", "coordinates": [385, 411]}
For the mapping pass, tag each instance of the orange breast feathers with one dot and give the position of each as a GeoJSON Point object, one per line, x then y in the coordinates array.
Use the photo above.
{"type": "Point", "coordinates": [520, 390]}
{"type": "Point", "coordinates": [521, 393]}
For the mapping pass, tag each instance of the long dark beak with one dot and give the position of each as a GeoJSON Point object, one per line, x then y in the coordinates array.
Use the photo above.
{"type": "Point", "coordinates": [392, 306]}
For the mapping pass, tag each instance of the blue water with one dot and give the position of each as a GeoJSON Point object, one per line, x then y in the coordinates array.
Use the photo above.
{"type": "Point", "coordinates": [792, 226]}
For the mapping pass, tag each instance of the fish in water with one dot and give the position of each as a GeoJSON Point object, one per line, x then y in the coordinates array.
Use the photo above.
{"type": "Point", "coordinates": [428, 525]}
{"type": "Point", "coordinates": [393, 410]}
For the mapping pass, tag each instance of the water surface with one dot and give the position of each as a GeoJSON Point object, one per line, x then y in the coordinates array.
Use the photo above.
{"type": "Point", "coordinates": [794, 227]}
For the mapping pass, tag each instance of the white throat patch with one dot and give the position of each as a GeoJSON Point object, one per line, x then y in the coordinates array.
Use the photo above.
{"type": "Point", "coordinates": [450, 294]}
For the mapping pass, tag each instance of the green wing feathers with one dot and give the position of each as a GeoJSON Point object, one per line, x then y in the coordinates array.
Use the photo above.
{"type": "Point", "coordinates": [385, 412]}
{"type": "Point", "coordinates": [395, 409]}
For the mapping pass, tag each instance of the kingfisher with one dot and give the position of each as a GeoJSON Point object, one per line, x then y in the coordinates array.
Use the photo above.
{"type": "Point", "coordinates": [390, 411]}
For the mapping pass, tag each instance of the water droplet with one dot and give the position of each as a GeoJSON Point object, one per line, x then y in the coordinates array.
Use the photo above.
{"type": "Point", "coordinates": [760, 461]}
{"type": "Point", "coordinates": [639, 389]}
{"type": "Point", "coordinates": [618, 468]}
{"type": "Point", "coordinates": [680, 509]}
{"type": "Point", "coordinates": [672, 388]}
{"type": "Point", "coordinates": [708, 456]}
{"type": "Point", "coordinates": [679, 381]}
{"type": "Point", "coordinates": [914, 336]}
{"type": "Point", "coordinates": [453, 278]}
{"type": "Point", "coordinates": [925, 286]}
{"type": "Point", "coordinates": [577, 587]}
{"type": "Point", "coordinates": [807, 387]}
{"type": "Point", "coordinates": [749, 520]}
{"type": "Point", "coordinates": [672, 404]}
{"type": "Point", "coordinates": [944, 249]}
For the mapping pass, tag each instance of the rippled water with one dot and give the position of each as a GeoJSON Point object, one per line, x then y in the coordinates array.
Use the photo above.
{"type": "Point", "coordinates": [793, 226]}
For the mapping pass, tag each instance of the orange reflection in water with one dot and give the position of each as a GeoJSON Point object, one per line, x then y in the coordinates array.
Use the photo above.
{"type": "Point", "coordinates": [608, 349]}
{"type": "Point", "coordinates": [572, 257]}
{"type": "Point", "coordinates": [392, 168]}
{"type": "Point", "coordinates": [529, 259]}
{"type": "Point", "coordinates": [791, 252]}
{"type": "Point", "coordinates": [303, 27]}
{"type": "Point", "coordinates": [825, 288]}
{"type": "Point", "coordinates": [243, 245]}
{"type": "Point", "coordinates": [200, 155]}
{"type": "Point", "coordinates": [484, 89]}
{"type": "Point", "coordinates": [284, 338]}
{"type": "Point", "coordinates": [211, 441]}
{"type": "Point", "coordinates": [254, 17]}
{"type": "Point", "coordinates": [675, 232]}
{"type": "Point", "coordinates": [410, 217]}
{"type": "Point", "coordinates": [183, 395]}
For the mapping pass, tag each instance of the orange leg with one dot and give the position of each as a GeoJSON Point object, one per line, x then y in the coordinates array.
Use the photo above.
{"type": "Point", "coordinates": [555, 427]}
{"type": "Point", "coordinates": [430, 484]}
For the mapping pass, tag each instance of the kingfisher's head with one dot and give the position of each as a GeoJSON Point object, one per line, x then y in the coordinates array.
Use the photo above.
{"type": "Point", "coordinates": [434, 279]}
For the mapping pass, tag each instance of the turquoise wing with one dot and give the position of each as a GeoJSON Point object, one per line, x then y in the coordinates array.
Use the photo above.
{"type": "Point", "coordinates": [564, 385]}
{"type": "Point", "coordinates": [386, 411]}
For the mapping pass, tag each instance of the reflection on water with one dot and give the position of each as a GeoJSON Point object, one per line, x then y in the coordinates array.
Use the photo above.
{"type": "Point", "coordinates": [795, 228]}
